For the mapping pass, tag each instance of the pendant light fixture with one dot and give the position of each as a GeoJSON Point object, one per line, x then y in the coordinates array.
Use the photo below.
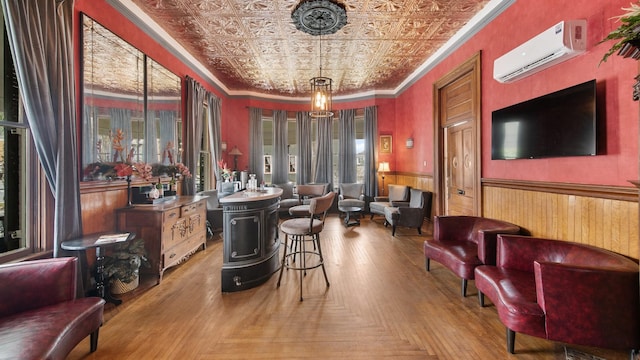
{"type": "Point", "coordinates": [317, 18]}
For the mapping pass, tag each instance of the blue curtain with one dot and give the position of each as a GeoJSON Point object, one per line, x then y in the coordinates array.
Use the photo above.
{"type": "Point", "coordinates": [167, 130]}
{"type": "Point", "coordinates": [347, 147]}
{"type": "Point", "coordinates": [370, 154]}
{"type": "Point", "coordinates": [215, 132]}
{"type": "Point", "coordinates": [324, 153]}
{"type": "Point", "coordinates": [193, 131]}
{"type": "Point", "coordinates": [303, 137]}
{"type": "Point", "coordinates": [280, 165]}
{"type": "Point", "coordinates": [256, 157]}
{"type": "Point", "coordinates": [40, 34]}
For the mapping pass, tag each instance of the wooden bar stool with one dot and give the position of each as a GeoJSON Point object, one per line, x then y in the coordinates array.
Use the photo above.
{"type": "Point", "coordinates": [302, 230]}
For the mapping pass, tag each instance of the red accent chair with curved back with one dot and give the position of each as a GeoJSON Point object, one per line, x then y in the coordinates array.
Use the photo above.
{"type": "Point", "coordinates": [461, 243]}
{"type": "Point", "coordinates": [563, 291]}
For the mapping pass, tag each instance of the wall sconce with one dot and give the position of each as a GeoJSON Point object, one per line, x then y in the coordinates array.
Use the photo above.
{"type": "Point", "coordinates": [223, 146]}
{"type": "Point", "coordinates": [410, 143]}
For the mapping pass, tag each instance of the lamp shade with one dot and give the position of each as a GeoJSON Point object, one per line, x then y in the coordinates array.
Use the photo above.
{"type": "Point", "coordinates": [235, 151]}
{"type": "Point", "coordinates": [383, 167]}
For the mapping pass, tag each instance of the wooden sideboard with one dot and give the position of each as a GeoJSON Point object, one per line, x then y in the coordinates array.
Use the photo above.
{"type": "Point", "coordinates": [171, 231]}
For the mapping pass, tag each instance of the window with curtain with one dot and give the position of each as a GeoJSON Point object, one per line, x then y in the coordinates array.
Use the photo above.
{"type": "Point", "coordinates": [292, 145]}
{"type": "Point", "coordinates": [203, 172]}
{"type": "Point", "coordinates": [17, 187]}
{"type": "Point", "coordinates": [360, 146]}
{"type": "Point", "coordinates": [267, 145]}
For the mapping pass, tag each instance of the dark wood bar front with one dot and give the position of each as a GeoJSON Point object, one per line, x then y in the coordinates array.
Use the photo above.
{"type": "Point", "coordinates": [251, 243]}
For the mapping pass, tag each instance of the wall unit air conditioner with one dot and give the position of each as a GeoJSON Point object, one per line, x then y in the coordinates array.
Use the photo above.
{"type": "Point", "coordinates": [560, 42]}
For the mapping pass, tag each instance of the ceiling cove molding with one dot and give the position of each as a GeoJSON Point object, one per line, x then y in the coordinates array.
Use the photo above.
{"type": "Point", "coordinates": [479, 21]}
{"type": "Point", "coordinates": [134, 14]}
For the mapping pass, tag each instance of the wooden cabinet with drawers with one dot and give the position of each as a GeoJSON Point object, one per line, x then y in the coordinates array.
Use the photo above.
{"type": "Point", "coordinates": [172, 231]}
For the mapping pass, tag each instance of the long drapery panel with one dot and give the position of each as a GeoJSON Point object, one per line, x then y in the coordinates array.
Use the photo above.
{"type": "Point", "coordinates": [256, 157]}
{"type": "Point", "coordinates": [193, 130]}
{"type": "Point", "coordinates": [370, 154]}
{"type": "Point", "coordinates": [280, 165]}
{"type": "Point", "coordinates": [303, 137]}
{"type": "Point", "coordinates": [40, 36]}
{"type": "Point", "coordinates": [324, 152]}
{"type": "Point", "coordinates": [215, 132]}
{"type": "Point", "coordinates": [347, 147]}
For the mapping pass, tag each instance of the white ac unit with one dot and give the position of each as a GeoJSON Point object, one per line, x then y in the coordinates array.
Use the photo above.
{"type": "Point", "coordinates": [560, 42]}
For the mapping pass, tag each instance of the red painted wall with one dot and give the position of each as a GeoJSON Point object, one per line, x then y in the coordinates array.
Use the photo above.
{"type": "Point", "coordinates": [411, 113]}
{"type": "Point", "coordinates": [520, 22]}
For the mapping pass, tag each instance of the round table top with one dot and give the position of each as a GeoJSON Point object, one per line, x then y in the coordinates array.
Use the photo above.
{"type": "Point", "coordinates": [96, 240]}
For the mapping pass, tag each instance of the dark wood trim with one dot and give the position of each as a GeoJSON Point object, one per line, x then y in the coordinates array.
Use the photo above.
{"type": "Point", "coordinates": [623, 193]}
{"type": "Point", "coordinates": [408, 173]}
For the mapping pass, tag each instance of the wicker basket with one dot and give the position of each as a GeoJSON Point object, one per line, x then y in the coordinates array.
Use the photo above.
{"type": "Point", "coordinates": [119, 287]}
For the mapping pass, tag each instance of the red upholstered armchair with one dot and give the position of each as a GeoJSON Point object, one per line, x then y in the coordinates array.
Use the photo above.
{"type": "Point", "coordinates": [461, 243]}
{"type": "Point", "coordinates": [40, 316]}
{"type": "Point", "coordinates": [563, 291]}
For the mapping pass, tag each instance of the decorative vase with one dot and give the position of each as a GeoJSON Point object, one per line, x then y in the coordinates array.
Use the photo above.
{"type": "Point", "coordinates": [154, 193]}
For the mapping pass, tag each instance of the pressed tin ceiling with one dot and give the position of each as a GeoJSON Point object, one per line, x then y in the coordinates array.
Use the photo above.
{"type": "Point", "coordinates": [254, 46]}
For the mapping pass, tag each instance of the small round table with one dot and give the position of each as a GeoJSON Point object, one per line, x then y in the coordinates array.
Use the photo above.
{"type": "Point", "coordinates": [352, 217]}
{"type": "Point", "coordinates": [98, 241]}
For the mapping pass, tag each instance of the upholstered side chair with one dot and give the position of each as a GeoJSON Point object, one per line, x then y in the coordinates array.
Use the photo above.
{"type": "Point", "coordinates": [397, 193]}
{"type": "Point", "coordinates": [411, 214]}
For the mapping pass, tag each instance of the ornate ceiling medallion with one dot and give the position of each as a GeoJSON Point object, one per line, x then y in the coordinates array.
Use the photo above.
{"type": "Point", "coordinates": [319, 17]}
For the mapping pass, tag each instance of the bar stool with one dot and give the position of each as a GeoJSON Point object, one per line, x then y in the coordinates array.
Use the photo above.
{"type": "Point", "coordinates": [302, 230]}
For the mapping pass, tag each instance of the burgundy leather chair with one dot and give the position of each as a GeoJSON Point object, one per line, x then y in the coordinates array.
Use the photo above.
{"type": "Point", "coordinates": [563, 291]}
{"type": "Point", "coordinates": [461, 243]}
{"type": "Point", "coordinates": [40, 316]}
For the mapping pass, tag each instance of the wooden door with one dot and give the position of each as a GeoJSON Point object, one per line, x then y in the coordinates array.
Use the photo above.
{"type": "Point", "coordinates": [459, 169]}
{"type": "Point", "coordinates": [457, 140]}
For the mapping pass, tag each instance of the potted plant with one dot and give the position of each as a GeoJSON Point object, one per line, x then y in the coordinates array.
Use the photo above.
{"type": "Point", "coordinates": [627, 35]}
{"type": "Point", "coordinates": [121, 267]}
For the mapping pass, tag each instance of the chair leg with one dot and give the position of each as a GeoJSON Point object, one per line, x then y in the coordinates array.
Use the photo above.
{"type": "Point", "coordinates": [481, 298]}
{"type": "Point", "coordinates": [326, 279]}
{"type": "Point", "coordinates": [284, 257]}
{"type": "Point", "coordinates": [511, 341]}
{"type": "Point", "coordinates": [427, 264]}
{"type": "Point", "coordinates": [302, 259]}
{"type": "Point", "coordinates": [464, 287]}
{"type": "Point", "coordinates": [419, 230]}
{"type": "Point", "coordinates": [93, 340]}
{"type": "Point", "coordinates": [393, 230]}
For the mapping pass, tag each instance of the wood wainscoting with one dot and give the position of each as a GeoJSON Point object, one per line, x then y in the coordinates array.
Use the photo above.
{"type": "Point", "coordinates": [602, 216]}
{"type": "Point", "coordinates": [98, 201]}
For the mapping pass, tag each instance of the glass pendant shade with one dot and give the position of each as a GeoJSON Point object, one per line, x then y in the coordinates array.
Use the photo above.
{"type": "Point", "coordinates": [321, 97]}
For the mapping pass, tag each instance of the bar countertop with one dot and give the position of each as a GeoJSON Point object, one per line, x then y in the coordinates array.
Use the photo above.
{"type": "Point", "coordinates": [249, 196]}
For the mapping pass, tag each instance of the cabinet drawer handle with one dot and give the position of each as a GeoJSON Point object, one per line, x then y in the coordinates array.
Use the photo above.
{"type": "Point", "coordinates": [173, 215]}
{"type": "Point", "coordinates": [172, 256]}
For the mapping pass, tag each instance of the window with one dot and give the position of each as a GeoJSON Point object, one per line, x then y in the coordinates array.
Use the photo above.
{"type": "Point", "coordinates": [360, 145]}
{"type": "Point", "coordinates": [16, 161]}
{"type": "Point", "coordinates": [203, 174]}
{"type": "Point", "coordinates": [292, 145]}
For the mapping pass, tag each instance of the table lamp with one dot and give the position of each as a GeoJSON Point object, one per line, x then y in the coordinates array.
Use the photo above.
{"type": "Point", "coordinates": [382, 168]}
{"type": "Point", "coordinates": [235, 152]}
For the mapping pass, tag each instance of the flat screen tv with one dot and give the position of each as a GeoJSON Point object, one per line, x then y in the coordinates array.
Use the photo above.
{"type": "Point", "coordinates": [559, 124]}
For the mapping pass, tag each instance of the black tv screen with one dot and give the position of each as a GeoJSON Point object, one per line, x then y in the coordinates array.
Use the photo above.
{"type": "Point", "coordinates": [559, 124]}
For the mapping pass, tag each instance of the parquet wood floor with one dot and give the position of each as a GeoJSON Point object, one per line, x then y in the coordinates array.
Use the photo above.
{"type": "Point", "coordinates": [381, 304]}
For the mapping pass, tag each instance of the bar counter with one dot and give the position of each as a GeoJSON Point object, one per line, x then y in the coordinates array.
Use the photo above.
{"type": "Point", "coordinates": [251, 244]}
